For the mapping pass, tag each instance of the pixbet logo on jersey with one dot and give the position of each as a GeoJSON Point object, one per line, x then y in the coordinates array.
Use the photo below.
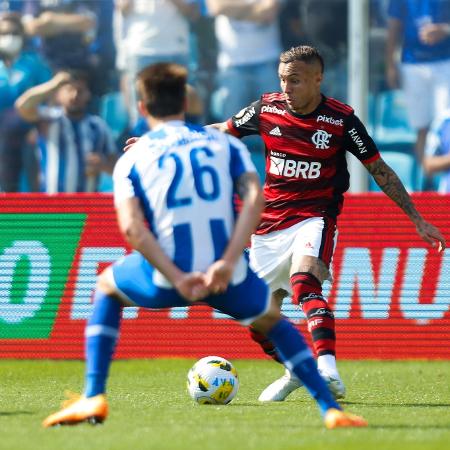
{"type": "Point", "coordinates": [273, 110]}
{"type": "Point", "coordinates": [291, 168]}
{"type": "Point", "coordinates": [331, 120]}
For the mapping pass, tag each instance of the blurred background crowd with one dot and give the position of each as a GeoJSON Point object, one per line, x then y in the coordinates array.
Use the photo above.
{"type": "Point", "coordinates": [67, 69]}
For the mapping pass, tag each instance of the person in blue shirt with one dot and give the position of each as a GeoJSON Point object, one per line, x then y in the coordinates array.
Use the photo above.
{"type": "Point", "coordinates": [173, 194]}
{"type": "Point", "coordinates": [19, 71]}
{"type": "Point", "coordinates": [422, 28]}
{"type": "Point", "coordinates": [437, 152]}
{"type": "Point", "coordinates": [75, 146]}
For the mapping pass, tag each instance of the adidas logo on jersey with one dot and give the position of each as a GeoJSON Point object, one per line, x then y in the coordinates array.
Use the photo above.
{"type": "Point", "coordinates": [275, 131]}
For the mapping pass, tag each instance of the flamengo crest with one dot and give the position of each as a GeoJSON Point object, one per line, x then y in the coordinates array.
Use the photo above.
{"type": "Point", "coordinates": [321, 139]}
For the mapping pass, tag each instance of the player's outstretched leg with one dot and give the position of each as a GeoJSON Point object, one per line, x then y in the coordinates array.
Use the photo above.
{"type": "Point", "coordinates": [307, 292]}
{"type": "Point", "coordinates": [299, 360]}
{"type": "Point", "coordinates": [101, 336]}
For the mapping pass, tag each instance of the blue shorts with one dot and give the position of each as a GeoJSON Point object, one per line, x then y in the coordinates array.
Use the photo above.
{"type": "Point", "coordinates": [133, 276]}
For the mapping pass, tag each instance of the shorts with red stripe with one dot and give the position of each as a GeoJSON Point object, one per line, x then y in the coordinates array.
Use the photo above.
{"type": "Point", "coordinates": [271, 254]}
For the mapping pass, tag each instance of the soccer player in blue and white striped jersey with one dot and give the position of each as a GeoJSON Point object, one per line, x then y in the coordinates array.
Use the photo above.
{"type": "Point", "coordinates": [174, 199]}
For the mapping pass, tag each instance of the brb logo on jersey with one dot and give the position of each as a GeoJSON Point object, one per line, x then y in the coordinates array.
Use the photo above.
{"type": "Point", "coordinates": [290, 168]}
{"type": "Point", "coordinates": [321, 139]}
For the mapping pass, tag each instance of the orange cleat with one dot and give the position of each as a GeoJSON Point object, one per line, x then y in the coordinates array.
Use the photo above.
{"type": "Point", "coordinates": [334, 418]}
{"type": "Point", "coordinates": [77, 409]}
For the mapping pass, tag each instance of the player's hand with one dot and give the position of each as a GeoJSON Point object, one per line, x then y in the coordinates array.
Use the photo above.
{"type": "Point", "coordinates": [129, 143]}
{"type": "Point", "coordinates": [432, 33]}
{"type": "Point", "coordinates": [93, 163]}
{"type": "Point", "coordinates": [61, 78]}
{"type": "Point", "coordinates": [218, 276]}
{"type": "Point", "coordinates": [192, 286]}
{"type": "Point", "coordinates": [429, 233]}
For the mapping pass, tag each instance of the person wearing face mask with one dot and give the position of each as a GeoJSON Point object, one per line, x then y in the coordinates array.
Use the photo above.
{"type": "Point", "coordinates": [19, 71]}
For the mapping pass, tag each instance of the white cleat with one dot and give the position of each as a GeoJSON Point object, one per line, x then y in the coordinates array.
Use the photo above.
{"type": "Point", "coordinates": [281, 388]}
{"type": "Point", "coordinates": [335, 385]}
{"type": "Point", "coordinates": [288, 383]}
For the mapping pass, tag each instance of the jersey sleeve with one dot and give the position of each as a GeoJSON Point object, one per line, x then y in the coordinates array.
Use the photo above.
{"type": "Point", "coordinates": [123, 179]}
{"type": "Point", "coordinates": [358, 142]}
{"type": "Point", "coordinates": [438, 139]}
{"type": "Point", "coordinates": [246, 121]}
{"type": "Point", "coordinates": [240, 159]}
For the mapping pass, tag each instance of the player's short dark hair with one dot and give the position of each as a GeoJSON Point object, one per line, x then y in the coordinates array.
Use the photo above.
{"type": "Point", "coordinates": [162, 88]}
{"type": "Point", "coordinates": [304, 53]}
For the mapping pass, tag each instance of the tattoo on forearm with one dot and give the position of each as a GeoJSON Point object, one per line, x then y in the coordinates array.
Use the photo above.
{"type": "Point", "coordinates": [391, 185]}
{"type": "Point", "coordinates": [242, 185]}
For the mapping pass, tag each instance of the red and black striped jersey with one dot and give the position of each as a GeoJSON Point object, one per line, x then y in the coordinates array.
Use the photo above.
{"type": "Point", "coordinates": [306, 167]}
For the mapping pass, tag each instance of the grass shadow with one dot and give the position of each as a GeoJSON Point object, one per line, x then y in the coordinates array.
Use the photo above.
{"type": "Point", "coordinates": [409, 427]}
{"type": "Point", "coordinates": [396, 405]}
{"type": "Point", "coordinates": [16, 413]}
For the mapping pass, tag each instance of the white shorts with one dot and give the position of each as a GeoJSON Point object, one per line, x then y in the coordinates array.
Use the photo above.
{"type": "Point", "coordinates": [427, 91]}
{"type": "Point", "coordinates": [271, 254]}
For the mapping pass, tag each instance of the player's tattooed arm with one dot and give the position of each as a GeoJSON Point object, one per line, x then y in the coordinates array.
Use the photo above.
{"type": "Point", "coordinates": [391, 185]}
{"type": "Point", "coordinates": [243, 183]}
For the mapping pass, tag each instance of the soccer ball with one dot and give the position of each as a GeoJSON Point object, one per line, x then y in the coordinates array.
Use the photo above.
{"type": "Point", "coordinates": [212, 381]}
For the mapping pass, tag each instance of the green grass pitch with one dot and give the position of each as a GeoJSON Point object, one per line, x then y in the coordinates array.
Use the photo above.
{"type": "Point", "coordinates": [407, 405]}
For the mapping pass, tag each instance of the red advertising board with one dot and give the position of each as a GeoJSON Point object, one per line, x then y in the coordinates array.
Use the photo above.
{"type": "Point", "coordinates": [391, 291]}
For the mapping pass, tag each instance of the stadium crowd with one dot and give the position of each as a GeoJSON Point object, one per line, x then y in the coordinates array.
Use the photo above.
{"type": "Point", "coordinates": [67, 71]}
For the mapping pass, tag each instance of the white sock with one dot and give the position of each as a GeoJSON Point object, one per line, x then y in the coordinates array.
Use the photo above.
{"type": "Point", "coordinates": [327, 364]}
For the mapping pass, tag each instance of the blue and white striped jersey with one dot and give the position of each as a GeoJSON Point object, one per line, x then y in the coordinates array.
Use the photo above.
{"type": "Point", "coordinates": [184, 178]}
{"type": "Point", "coordinates": [63, 149]}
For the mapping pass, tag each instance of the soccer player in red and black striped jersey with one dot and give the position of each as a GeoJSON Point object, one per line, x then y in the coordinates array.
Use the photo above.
{"type": "Point", "coordinates": [306, 137]}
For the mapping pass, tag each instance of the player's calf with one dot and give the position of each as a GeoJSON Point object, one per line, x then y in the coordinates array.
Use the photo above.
{"type": "Point", "coordinates": [266, 345]}
{"type": "Point", "coordinates": [307, 292]}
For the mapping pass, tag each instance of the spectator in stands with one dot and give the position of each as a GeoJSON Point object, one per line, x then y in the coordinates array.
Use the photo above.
{"type": "Point", "coordinates": [66, 29]}
{"type": "Point", "coordinates": [11, 6]}
{"type": "Point", "coordinates": [147, 32]}
{"type": "Point", "coordinates": [291, 24]}
{"type": "Point", "coordinates": [19, 71]}
{"type": "Point", "coordinates": [104, 51]}
{"type": "Point", "coordinates": [423, 27]}
{"type": "Point", "coordinates": [437, 151]}
{"type": "Point", "coordinates": [76, 146]}
{"type": "Point", "coordinates": [248, 38]}
{"type": "Point", "coordinates": [325, 23]}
